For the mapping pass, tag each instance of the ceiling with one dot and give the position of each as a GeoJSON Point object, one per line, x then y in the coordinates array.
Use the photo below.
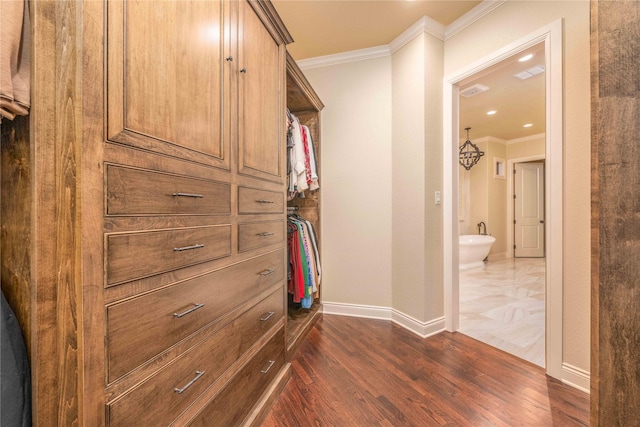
{"type": "Point", "coordinates": [326, 27]}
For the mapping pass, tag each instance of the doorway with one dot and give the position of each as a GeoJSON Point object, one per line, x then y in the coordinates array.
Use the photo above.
{"type": "Point", "coordinates": [551, 36]}
{"type": "Point", "coordinates": [502, 302]}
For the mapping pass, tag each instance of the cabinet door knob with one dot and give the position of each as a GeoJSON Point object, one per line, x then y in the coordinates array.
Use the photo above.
{"type": "Point", "coordinates": [243, 70]}
{"type": "Point", "coordinates": [229, 58]}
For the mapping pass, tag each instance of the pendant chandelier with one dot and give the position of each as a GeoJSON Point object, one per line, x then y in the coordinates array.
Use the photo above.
{"type": "Point", "coordinates": [469, 153]}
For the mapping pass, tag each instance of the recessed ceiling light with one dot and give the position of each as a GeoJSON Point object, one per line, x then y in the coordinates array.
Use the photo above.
{"type": "Point", "coordinates": [526, 57]}
{"type": "Point", "coordinates": [533, 71]}
{"type": "Point", "coordinates": [491, 113]}
{"type": "Point", "coordinates": [528, 125]}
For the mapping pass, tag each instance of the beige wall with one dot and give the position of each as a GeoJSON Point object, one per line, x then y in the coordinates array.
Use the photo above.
{"type": "Point", "coordinates": [408, 177]}
{"type": "Point", "coordinates": [518, 149]}
{"type": "Point", "coordinates": [487, 195]}
{"type": "Point", "coordinates": [497, 200]}
{"type": "Point", "coordinates": [356, 181]}
{"type": "Point", "coordinates": [417, 136]}
{"type": "Point", "coordinates": [512, 21]}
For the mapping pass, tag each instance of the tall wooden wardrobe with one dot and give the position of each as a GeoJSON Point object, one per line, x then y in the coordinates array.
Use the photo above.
{"type": "Point", "coordinates": [144, 237]}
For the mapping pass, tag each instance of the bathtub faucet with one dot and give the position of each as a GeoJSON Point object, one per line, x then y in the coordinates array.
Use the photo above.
{"type": "Point", "coordinates": [482, 226]}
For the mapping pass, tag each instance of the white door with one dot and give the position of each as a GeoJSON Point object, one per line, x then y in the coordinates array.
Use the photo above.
{"type": "Point", "coordinates": [528, 210]}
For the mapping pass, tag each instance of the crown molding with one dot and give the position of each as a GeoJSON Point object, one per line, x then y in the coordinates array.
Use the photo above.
{"type": "Point", "coordinates": [344, 57]}
{"type": "Point", "coordinates": [484, 8]}
{"type": "Point", "coordinates": [423, 25]}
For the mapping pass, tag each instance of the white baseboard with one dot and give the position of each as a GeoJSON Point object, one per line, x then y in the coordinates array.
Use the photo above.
{"type": "Point", "coordinates": [423, 329]}
{"type": "Point", "coordinates": [576, 377]}
{"type": "Point", "coordinates": [356, 310]}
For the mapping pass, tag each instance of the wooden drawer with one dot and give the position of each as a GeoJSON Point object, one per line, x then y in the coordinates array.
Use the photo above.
{"type": "Point", "coordinates": [254, 201]}
{"type": "Point", "coordinates": [142, 327]}
{"type": "Point", "coordinates": [159, 400]}
{"type": "Point", "coordinates": [253, 235]}
{"type": "Point", "coordinates": [136, 255]}
{"type": "Point", "coordinates": [144, 192]}
{"type": "Point", "coordinates": [234, 402]}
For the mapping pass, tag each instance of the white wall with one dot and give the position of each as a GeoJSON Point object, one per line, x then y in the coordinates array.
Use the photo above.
{"type": "Point", "coordinates": [356, 181]}
{"type": "Point", "coordinates": [512, 21]}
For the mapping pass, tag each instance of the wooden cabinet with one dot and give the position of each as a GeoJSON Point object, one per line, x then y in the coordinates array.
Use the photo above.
{"type": "Point", "coordinates": [261, 71]}
{"type": "Point", "coordinates": [169, 84]}
{"type": "Point", "coordinates": [157, 290]}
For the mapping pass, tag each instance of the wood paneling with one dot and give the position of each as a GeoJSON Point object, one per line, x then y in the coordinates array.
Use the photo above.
{"type": "Point", "coordinates": [168, 78]}
{"type": "Point", "coordinates": [141, 327]}
{"type": "Point", "coordinates": [615, 363]}
{"type": "Point", "coordinates": [363, 372]}
{"type": "Point", "coordinates": [230, 407]}
{"type": "Point", "coordinates": [157, 395]}
{"type": "Point", "coordinates": [143, 192]}
{"type": "Point", "coordinates": [260, 133]}
{"type": "Point", "coordinates": [16, 220]}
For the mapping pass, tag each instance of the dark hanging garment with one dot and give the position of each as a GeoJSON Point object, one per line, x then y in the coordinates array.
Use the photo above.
{"type": "Point", "coordinates": [15, 377]}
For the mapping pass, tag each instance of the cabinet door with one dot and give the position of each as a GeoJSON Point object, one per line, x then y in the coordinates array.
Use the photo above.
{"type": "Point", "coordinates": [168, 78]}
{"type": "Point", "coordinates": [261, 109]}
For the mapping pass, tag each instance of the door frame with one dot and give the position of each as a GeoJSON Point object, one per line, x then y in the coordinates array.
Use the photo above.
{"type": "Point", "coordinates": [510, 214]}
{"type": "Point", "coordinates": [552, 37]}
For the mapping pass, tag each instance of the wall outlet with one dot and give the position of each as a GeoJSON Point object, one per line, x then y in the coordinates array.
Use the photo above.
{"type": "Point", "coordinates": [438, 199]}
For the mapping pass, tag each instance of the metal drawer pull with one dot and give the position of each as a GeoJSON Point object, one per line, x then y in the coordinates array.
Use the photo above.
{"type": "Point", "coordinates": [191, 310]}
{"type": "Point", "coordinates": [187, 248]}
{"type": "Point", "coordinates": [265, 234]}
{"type": "Point", "coordinates": [266, 272]}
{"type": "Point", "coordinates": [264, 201]}
{"type": "Point", "coordinates": [268, 368]}
{"type": "Point", "coordinates": [197, 196]}
{"type": "Point", "coordinates": [190, 383]}
{"type": "Point", "coordinates": [267, 316]}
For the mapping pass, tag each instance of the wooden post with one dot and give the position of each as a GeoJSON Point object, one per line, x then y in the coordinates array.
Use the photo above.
{"type": "Point", "coordinates": [615, 130]}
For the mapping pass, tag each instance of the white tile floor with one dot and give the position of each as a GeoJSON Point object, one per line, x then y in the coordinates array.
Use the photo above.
{"type": "Point", "coordinates": [502, 304]}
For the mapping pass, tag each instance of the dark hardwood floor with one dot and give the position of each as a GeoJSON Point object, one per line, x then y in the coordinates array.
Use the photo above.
{"type": "Point", "coordinates": [362, 372]}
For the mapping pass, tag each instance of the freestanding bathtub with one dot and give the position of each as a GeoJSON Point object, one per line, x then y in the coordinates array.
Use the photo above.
{"type": "Point", "coordinates": [474, 248]}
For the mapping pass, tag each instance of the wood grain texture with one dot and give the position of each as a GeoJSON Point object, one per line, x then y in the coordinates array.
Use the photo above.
{"type": "Point", "coordinates": [261, 108]}
{"type": "Point", "coordinates": [230, 407]}
{"type": "Point", "coordinates": [595, 221]}
{"type": "Point", "coordinates": [56, 126]}
{"type": "Point", "coordinates": [362, 372]}
{"type": "Point", "coordinates": [616, 141]}
{"type": "Point", "coordinates": [141, 327]}
{"type": "Point", "coordinates": [154, 402]}
{"type": "Point", "coordinates": [16, 220]}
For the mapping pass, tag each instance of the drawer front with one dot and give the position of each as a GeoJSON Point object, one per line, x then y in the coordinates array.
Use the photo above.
{"type": "Point", "coordinates": [133, 256]}
{"type": "Point", "coordinates": [167, 394]}
{"type": "Point", "coordinates": [142, 327]}
{"type": "Point", "coordinates": [143, 192]}
{"type": "Point", "coordinates": [253, 235]}
{"type": "Point", "coordinates": [231, 406]}
{"type": "Point", "coordinates": [254, 201]}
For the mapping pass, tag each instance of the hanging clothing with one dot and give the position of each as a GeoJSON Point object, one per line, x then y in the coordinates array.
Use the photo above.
{"type": "Point", "coordinates": [302, 167]}
{"type": "Point", "coordinates": [15, 59]}
{"type": "Point", "coordinates": [304, 261]}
